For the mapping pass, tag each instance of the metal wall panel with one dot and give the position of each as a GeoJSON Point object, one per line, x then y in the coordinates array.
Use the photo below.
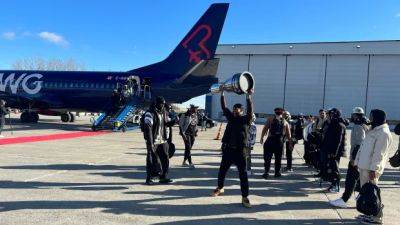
{"type": "Point", "coordinates": [304, 83]}
{"type": "Point", "coordinates": [228, 66]}
{"type": "Point", "coordinates": [269, 74]}
{"type": "Point", "coordinates": [346, 82]}
{"type": "Point", "coordinates": [383, 85]}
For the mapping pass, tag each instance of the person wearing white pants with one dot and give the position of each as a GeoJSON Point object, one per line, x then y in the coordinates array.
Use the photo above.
{"type": "Point", "coordinates": [373, 155]}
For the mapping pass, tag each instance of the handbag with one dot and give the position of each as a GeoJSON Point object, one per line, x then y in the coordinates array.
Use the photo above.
{"type": "Point", "coordinates": [171, 149]}
{"type": "Point", "coordinates": [395, 160]}
{"type": "Point", "coordinates": [369, 203]}
{"type": "Point", "coordinates": [397, 129]}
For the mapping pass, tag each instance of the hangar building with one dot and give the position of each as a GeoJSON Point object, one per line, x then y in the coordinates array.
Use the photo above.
{"type": "Point", "coordinates": [305, 77]}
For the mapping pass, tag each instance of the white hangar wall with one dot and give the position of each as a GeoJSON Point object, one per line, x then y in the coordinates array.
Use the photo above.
{"type": "Point", "coordinates": [304, 78]}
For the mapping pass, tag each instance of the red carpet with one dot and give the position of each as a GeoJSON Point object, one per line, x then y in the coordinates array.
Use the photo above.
{"type": "Point", "coordinates": [49, 137]}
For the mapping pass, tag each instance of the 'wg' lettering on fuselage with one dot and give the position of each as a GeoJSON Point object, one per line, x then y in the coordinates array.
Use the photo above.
{"type": "Point", "coordinates": [30, 84]}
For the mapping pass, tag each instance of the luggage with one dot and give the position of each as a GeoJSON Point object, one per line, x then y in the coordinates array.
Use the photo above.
{"type": "Point", "coordinates": [369, 203]}
{"type": "Point", "coordinates": [171, 149]}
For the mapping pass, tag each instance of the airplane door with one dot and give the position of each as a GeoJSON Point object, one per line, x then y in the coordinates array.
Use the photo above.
{"type": "Point", "coordinates": [146, 85]}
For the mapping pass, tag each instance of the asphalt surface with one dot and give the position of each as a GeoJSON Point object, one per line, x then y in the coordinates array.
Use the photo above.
{"type": "Point", "coordinates": [100, 180]}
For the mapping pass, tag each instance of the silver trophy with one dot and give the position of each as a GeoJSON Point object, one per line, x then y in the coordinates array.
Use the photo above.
{"type": "Point", "coordinates": [240, 83]}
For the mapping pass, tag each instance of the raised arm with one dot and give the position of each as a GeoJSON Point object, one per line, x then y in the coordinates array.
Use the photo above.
{"type": "Point", "coordinates": [249, 102]}
{"type": "Point", "coordinates": [223, 101]}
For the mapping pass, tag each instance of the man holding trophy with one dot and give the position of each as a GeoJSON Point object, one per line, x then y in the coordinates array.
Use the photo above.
{"type": "Point", "coordinates": [235, 135]}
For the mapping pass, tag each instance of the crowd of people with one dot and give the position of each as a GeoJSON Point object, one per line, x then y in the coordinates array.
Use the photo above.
{"type": "Point", "coordinates": [324, 139]}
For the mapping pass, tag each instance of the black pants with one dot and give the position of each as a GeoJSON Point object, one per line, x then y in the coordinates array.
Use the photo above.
{"type": "Point", "coordinates": [273, 146]}
{"type": "Point", "coordinates": [189, 141]}
{"type": "Point", "coordinates": [289, 154]}
{"type": "Point", "coordinates": [330, 170]}
{"type": "Point", "coordinates": [234, 156]}
{"type": "Point", "coordinates": [157, 161]}
{"type": "Point", "coordinates": [352, 177]}
{"type": "Point", "coordinates": [307, 152]}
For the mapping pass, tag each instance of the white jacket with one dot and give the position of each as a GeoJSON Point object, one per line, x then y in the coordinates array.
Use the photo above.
{"type": "Point", "coordinates": [373, 153]}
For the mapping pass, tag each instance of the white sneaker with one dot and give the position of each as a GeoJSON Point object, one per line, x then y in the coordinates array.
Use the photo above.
{"type": "Point", "coordinates": [338, 203]}
{"type": "Point", "coordinates": [185, 164]}
{"type": "Point", "coordinates": [191, 166]}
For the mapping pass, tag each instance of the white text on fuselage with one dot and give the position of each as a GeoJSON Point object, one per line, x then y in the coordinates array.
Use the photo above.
{"type": "Point", "coordinates": [30, 84]}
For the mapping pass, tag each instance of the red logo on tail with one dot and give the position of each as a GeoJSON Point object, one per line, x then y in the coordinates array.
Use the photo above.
{"type": "Point", "coordinates": [193, 54]}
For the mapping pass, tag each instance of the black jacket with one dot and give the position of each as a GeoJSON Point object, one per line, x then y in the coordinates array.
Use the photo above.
{"type": "Point", "coordinates": [334, 139]}
{"type": "Point", "coordinates": [237, 127]}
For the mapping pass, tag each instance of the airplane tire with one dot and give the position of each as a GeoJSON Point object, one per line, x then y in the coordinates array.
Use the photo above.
{"type": "Point", "coordinates": [34, 117]}
{"type": "Point", "coordinates": [25, 117]}
{"type": "Point", "coordinates": [72, 117]}
{"type": "Point", "coordinates": [65, 117]}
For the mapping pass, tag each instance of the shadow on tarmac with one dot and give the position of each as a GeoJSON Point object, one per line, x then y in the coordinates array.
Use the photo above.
{"type": "Point", "coordinates": [198, 183]}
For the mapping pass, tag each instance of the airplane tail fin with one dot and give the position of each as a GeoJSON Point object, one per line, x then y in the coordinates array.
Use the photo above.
{"type": "Point", "coordinates": [198, 45]}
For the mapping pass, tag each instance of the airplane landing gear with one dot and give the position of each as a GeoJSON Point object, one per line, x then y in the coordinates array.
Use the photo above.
{"type": "Point", "coordinates": [65, 117]}
{"type": "Point", "coordinates": [72, 117]}
{"type": "Point", "coordinates": [29, 117]}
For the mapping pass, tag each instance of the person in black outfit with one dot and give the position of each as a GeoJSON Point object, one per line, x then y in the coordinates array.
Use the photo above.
{"type": "Point", "coordinates": [358, 134]}
{"type": "Point", "coordinates": [333, 148]}
{"type": "Point", "coordinates": [155, 125]}
{"type": "Point", "coordinates": [233, 143]}
{"type": "Point", "coordinates": [188, 130]}
{"type": "Point", "coordinates": [115, 101]}
{"type": "Point", "coordinates": [3, 112]}
{"type": "Point", "coordinates": [315, 139]}
{"type": "Point", "coordinates": [277, 130]}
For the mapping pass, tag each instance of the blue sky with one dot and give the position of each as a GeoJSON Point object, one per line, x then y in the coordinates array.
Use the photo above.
{"type": "Point", "coordinates": [122, 35]}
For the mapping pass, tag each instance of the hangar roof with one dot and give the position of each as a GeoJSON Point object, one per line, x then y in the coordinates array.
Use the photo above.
{"type": "Point", "coordinates": [390, 47]}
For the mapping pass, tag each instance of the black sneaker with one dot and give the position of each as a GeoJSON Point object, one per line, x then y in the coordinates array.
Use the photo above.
{"type": "Point", "coordinates": [318, 175]}
{"type": "Point", "coordinates": [149, 181]}
{"type": "Point", "coordinates": [166, 181]}
{"type": "Point", "coordinates": [371, 220]}
{"type": "Point", "coordinates": [265, 176]}
{"type": "Point", "coordinates": [278, 175]}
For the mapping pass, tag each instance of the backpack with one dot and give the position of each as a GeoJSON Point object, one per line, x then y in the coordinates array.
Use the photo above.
{"type": "Point", "coordinates": [397, 129]}
{"type": "Point", "coordinates": [369, 203]}
{"type": "Point", "coordinates": [276, 128]}
{"type": "Point", "coordinates": [395, 159]}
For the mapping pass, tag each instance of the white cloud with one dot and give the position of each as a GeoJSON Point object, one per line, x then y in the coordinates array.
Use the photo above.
{"type": "Point", "coordinates": [53, 38]}
{"type": "Point", "coordinates": [397, 15]}
{"type": "Point", "coordinates": [9, 35]}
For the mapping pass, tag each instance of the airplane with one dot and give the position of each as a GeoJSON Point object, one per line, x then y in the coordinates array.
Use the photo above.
{"type": "Point", "coordinates": [187, 72]}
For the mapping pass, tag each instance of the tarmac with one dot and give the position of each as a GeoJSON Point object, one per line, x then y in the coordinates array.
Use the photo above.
{"type": "Point", "coordinates": [100, 180]}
